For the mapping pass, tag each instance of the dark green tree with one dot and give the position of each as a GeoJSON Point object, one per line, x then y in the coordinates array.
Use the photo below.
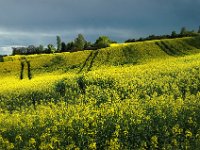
{"type": "Point", "coordinates": [102, 42]}
{"type": "Point", "coordinates": [88, 45]}
{"type": "Point", "coordinates": [31, 49]}
{"type": "Point", "coordinates": [174, 34]}
{"type": "Point", "coordinates": [41, 49]}
{"type": "Point", "coordinates": [63, 47]}
{"type": "Point", "coordinates": [79, 42]}
{"type": "Point", "coordinates": [51, 48]}
{"type": "Point", "coordinates": [70, 46]}
{"type": "Point", "coordinates": [59, 46]}
{"type": "Point", "coordinates": [183, 31]}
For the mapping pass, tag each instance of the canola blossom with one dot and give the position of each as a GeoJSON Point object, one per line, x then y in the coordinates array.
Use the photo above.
{"type": "Point", "coordinates": [137, 102]}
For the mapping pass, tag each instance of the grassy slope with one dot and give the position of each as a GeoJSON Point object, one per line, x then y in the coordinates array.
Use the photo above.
{"type": "Point", "coordinates": [153, 56]}
{"type": "Point", "coordinates": [117, 54]}
{"type": "Point", "coordinates": [49, 68]}
{"type": "Point", "coordinates": [147, 106]}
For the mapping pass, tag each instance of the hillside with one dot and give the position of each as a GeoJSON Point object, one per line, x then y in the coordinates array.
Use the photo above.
{"type": "Point", "coordinates": [116, 55]}
{"type": "Point", "coordinates": [143, 95]}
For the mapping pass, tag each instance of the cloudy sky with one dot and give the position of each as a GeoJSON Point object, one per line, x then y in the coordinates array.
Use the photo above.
{"type": "Point", "coordinates": [26, 22]}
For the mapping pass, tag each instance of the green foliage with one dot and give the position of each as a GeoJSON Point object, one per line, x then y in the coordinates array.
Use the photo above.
{"type": "Point", "coordinates": [41, 48]}
{"type": "Point", "coordinates": [59, 46]}
{"type": "Point", "coordinates": [79, 43]}
{"type": "Point", "coordinates": [102, 42]}
{"type": "Point", "coordinates": [183, 31]}
{"type": "Point", "coordinates": [51, 48]}
{"type": "Point", "coordinates": [31, 49]}
{"type": "Point", "coordinates": [174, 34]}
{"type": "Point", "coordinates": [63, 47]}
{"type": "Point", "coordinates": [70, 46]}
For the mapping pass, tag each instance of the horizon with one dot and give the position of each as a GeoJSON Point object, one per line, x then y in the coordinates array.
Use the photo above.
{"type": "Point", "coordinates": [117, 19]}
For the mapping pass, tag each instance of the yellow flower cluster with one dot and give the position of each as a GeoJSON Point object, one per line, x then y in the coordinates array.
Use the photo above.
{"type": "Point", "coordinates": [152, 105]}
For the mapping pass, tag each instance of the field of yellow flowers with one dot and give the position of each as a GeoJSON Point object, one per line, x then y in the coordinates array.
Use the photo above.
{"type": "Point", "coordinates": [152, 105]}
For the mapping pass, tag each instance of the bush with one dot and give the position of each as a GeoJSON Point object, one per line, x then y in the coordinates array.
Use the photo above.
{"type": "Point", "coordinates": [102, 42]}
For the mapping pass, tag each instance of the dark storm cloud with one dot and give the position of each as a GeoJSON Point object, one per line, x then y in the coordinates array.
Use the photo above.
{"type": "Point", "coordinates": [24, 22]}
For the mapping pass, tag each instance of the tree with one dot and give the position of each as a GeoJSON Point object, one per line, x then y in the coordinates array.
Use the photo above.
{"type": "Point", "coordinates": [58, 43]}
{"type": "Point", "coordinates": [174, 34]}
{"type": "Point", "coordinates": [199, 30]}
{"type": "Point", "coordinates": [79, 42]}
{"type": "Point", "coordinates": [51, 49]}
{"type": "Point", "coordinates": [70, 46]}
{"type": "Point", "coordinates": [102, 42]}
{"type": "Point", "coordinates": [40, 49]}
{"type": "Point", "coordinates": [183, 31]}
{"type": "Point", "coordinates": [31, 49]}
{"type": "Point", "coordinates": [63, 47]}
{"type": "Point", "coordinates": [88, 45]}
{"type": "Point", "coordinates": [130, 40]}
{"type": "Point", "coordinates": [19, 50]}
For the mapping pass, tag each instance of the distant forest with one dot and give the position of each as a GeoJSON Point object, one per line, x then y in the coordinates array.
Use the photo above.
{"type": "Point", "coordinates": [80, 43]}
